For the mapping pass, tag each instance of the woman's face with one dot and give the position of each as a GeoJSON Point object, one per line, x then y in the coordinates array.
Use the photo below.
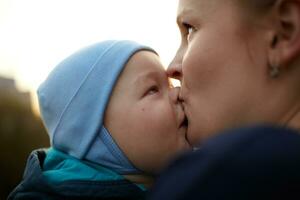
{"type": "Point", "coordinates": [221, 64]}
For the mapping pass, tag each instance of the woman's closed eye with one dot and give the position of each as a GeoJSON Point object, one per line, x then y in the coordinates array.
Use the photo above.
{"type": "Point", "coordinates": [189, 30]}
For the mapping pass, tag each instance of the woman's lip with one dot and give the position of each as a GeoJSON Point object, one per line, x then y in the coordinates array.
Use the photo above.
{"type": "Point", "coordinates": [183, 129]}
{"type": "Point", "coordinates": [183, 121]}
{"type": "Point", "coordinates": [182, 116]}
{"type": "Point", "coordinates": [188, 135]}
{"type": "Point", "coordinates": [186, 116]}
{"type": "Point", "coordinates": [188, 138]}
{"type": "Point", "coordinates": [184, 132]}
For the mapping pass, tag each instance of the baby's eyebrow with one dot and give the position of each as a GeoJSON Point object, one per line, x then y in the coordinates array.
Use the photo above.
{"type": "Point", "coordinates": [140, 79]}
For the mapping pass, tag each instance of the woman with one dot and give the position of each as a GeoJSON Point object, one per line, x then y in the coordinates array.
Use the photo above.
{"type": "Point", "coordinates": [239, 65]}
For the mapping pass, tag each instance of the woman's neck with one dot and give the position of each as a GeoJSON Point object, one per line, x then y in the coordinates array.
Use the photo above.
{"type": "Point", "coordinates": [143, 179]}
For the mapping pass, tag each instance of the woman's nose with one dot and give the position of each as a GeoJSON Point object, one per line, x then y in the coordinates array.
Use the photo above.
{"type": "Point", "coordinates": [175, 70]}
{"type": "Point", "coordinates": [175, 67]}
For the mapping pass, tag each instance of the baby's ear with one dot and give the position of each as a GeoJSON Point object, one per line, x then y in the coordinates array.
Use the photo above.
{"type": "Point", "coordinates": [285, 45]}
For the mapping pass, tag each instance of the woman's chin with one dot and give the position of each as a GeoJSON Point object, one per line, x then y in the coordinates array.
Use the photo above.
{"type": "Point", "coordinates": [193, 137]}
{"type": "Point", "coordinates": [190, 136]}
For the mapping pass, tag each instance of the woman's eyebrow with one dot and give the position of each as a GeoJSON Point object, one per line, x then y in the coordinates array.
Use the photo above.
{"type": "Point", "coordinates": [182, 14]}
{"type": "Point", "coordinates": [179, 19]}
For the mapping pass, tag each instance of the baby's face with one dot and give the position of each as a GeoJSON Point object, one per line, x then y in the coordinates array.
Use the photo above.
{"type": "Point", "coordinates": [144, 115]}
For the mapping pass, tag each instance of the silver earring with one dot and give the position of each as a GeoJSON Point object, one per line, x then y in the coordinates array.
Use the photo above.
{"type": "Point", "coordinates": [274, 71]}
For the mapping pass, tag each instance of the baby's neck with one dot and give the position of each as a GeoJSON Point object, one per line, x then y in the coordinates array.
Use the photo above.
{"type": "Point", "coordinates": [143, 179]}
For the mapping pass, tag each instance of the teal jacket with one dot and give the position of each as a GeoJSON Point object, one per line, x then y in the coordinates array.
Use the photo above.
{"type": "Point", "coordinates": [51, 174]}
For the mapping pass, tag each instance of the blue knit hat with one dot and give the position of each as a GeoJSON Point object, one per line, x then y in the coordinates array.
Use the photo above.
{"type": "Point", "coordinates": [73, 101]}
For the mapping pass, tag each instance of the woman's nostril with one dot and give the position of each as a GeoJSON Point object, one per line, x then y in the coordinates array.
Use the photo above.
{"type": "Point", "coordinates": [174, 71]}
{"type": "Point", "coordinates": [176, 75]}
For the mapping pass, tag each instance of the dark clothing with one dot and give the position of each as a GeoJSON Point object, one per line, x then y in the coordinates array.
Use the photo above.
{"type": "Point", "coordinates": [260, 162]}
{"type": "Point", "coordinates": [35, 186]}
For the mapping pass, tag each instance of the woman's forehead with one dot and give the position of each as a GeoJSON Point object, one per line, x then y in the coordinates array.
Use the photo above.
{"type": "Point", "coordinates": [191, 10]}
{"type": "Point", "coordinates": [202, 6]}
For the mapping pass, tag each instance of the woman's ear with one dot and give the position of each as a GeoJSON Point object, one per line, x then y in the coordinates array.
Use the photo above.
{"type": "Point", "coordinates": [285, 44]}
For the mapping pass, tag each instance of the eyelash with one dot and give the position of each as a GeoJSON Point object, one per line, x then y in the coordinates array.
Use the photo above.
{"type": "Point", "coordinates": [152, 90]}
{"type": "Point", "coordinates": [189, 29]}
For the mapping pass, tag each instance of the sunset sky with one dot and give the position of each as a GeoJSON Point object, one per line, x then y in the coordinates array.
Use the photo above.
{"type": "Point", "coordinates": [36, 34]}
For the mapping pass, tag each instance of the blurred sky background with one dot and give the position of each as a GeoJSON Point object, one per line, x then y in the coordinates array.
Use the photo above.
{"type": "Point", "coordinates": [36, 34]}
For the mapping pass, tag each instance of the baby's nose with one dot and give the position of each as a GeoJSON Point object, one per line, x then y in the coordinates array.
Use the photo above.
{"type": "Point", "coordinates": [174, 94]}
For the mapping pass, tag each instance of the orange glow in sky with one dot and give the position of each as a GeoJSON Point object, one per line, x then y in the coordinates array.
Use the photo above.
{"type": "Point", "coordinates": [35, 35]}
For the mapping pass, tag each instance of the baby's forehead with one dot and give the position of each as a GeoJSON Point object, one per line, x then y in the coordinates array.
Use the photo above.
{"type": "Point", "coordinates": [145, 62]}
{"type": "Point", "coordinates": [143, 68]}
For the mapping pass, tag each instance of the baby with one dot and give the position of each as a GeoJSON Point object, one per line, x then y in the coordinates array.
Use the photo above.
{"type": "Point", "coordinates": [114, 122]}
